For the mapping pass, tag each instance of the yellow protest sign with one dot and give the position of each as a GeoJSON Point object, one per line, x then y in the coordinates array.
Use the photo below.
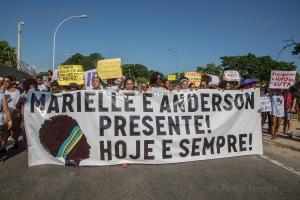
{"type": "Point", "coordinates": [70, 74]}
{"type": "Point", "coordinates": [109, 68]}
{"type": "Point", "coordinates": [194, 77]}
{"type": "Point", "coordinates": [171, 77]}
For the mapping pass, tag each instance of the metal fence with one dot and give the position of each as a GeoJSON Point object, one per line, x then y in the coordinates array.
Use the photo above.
{"type": "Point", "coordinates": [28, 69]}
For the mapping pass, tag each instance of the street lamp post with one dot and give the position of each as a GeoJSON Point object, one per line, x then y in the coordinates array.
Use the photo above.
{"type": "Point", "coordinates": [61, 23]}
{"type": "Point", "coordinates": [20, 24]}
{"type": "Point", "coordinates": [177, 61]}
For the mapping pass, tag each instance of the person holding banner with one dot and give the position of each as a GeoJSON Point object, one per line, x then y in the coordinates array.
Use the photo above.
{"type": "Point", "coordinates": [156, 82]}
{"type": "Point", "coordinates": [184, 84]}
{"type": "Point", "coordinates": [73, 87]}
{"type": "Point", "coordinates": [228, 86]}
{"type": "Point", "coordinates": [112, 86]}
{"type": "Point", "coordinates": [29, 85]}
{"type": "Point", "coordinates": [225, 85]}
{"type": "Point", "coordinates": [97, 83]}
{"type": "Point", "coordinates": [277, 102]}
{"type": "Point", "coordinates": [168, 85]}
{"type": "Point", "coordinates": [129, 84]}
{"type": "Point", "coordinates": [41, 85]}
{"type": "Point", "coordinates": [54, 86]}
{"type": "Point", "coordinates": [192, 86]}
{"type": "Point", "coordinates": [143, 88]}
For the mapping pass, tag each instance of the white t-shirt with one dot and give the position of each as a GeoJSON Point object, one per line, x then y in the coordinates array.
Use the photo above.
{"type": "Point", "coordinates": [12, 98]}
{"type": "Point", "coordinates": [43, 87]}
{"type": "Point", "coordinates": [91, 88]}
{"type": "Point", "coordinates": [113, 88]}
{"type": "Point", "coordinates": [277, 102]}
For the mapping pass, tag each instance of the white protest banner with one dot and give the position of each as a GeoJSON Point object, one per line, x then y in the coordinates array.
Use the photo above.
{"type": "Point", "coordinates": [282, 79]}
{"type": "Point", "coordinates": [265, 104]}
{"type": "Point", "coordinates": [232, 75]}
{"type": "Point", "coordinates": [88, 76]}
{"type": "Point", "coordinates": [102, 128]}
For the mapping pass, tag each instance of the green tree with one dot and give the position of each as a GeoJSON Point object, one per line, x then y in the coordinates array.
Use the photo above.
{"type": "Point", "coordinates": [297, 77]}
{"type": "Point", "coordinates": [139, 72]}
{"type": "Point", "coordinates": [87, 62]}
{"type": "Point", "coordinates": [43, 73]}
{"type": "Point", "coordinates": [135, 70]}
{"type": "Point", "coordinates": [296, 50]}
{"type": "Point", "coordinates": [150, 73]}
{"type": "Point", "coordinates": [251, 66]}
{"type": "Point", "coordinates": [212, 69]}
{"type": "Point", "coordinates": [180, 76]}
{"type": "Point", "coordinates": [7, 54]}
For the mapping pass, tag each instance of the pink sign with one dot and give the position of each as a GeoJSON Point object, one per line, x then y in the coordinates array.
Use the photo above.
{"type": "Point", "coordinates": [232, 75]}
{"type": "Point", "coordinates": [282, 79]}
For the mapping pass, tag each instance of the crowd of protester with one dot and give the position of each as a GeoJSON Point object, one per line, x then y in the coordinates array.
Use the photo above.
{"type": "Point", "coordinates": [283, 106]}
{"type": "Point", "coordinates": [13, 97]}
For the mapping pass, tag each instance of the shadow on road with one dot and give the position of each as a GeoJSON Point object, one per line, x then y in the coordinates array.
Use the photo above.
{"type": "Point", "coordinates": [13, 152]}
{"type": "Point", "coordinates": [281, 135]}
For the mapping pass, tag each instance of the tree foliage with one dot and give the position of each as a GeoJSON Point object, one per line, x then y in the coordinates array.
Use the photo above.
{"type": "Point", "coordinates": [211, 68]}
{"type": "Point", "coordinates": [251, 66]}
{"type": "Point", "coordinates": [43, 73]}
{"type": "Point", "coordinates": [139, 72]}
{"type": "Point", "coordinates": [8, 55]}
{"type": "Point", "coordinates": [88, 62]}
{"type": "Point", "coordinates": [135, 70]}
{"type": "Point", "coordinates": [296, 50]}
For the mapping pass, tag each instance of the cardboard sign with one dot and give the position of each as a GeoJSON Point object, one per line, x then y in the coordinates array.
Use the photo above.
{"type": "Point", "coordinates": [88, 76]}
{"type": "Point", "coordinates": [265, 104]}
{"type": "Point", "coordinates": [282, 79]}
{"type": "Point", "coordinates": [109, 68]}
{"type": "Point", "coordinates": [70, 74]}
{"type": "Point", "coordinates": [215, 80]}
{"type": "Point", "coordinates": [194, 77]}
{"type": "Point", "coordinates": [232, 75]}
{"type": "Point", "coordinates": [171, 77]}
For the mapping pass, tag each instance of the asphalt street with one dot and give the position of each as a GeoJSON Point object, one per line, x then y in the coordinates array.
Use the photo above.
{"type": "Point", "coordinates": [247, 177]}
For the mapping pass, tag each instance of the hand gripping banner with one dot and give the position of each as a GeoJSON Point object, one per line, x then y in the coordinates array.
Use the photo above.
{"type": "Point", "coordinates": [91, 128]}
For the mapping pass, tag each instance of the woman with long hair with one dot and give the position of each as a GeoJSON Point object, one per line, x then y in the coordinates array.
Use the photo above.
{"type": "Point", "coordinates": [129, 83]}
{"type": "Point", "coordinates": [156, 82]}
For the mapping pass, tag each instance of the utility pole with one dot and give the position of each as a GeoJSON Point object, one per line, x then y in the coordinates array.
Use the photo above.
{"type": "Point", "coordinates": [20, 24]}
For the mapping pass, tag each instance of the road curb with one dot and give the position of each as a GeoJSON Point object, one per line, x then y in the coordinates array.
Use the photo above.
{"type": "Point", "coordinates": [284, 145]}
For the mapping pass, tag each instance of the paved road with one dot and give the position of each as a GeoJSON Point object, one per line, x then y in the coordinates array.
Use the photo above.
{"type": "Point", "coordinates": [248, 177]}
